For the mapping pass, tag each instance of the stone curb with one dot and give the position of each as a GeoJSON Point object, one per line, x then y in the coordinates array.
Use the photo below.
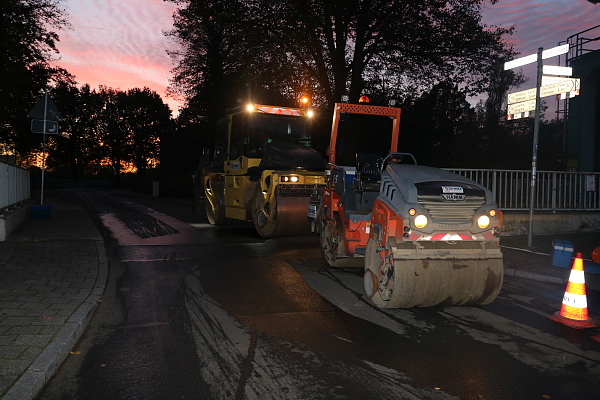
{"type": "Point", "coordinates": [31, 383]}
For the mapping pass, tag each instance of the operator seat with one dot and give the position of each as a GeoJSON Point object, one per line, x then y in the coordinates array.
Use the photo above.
{"type": "Point", "coordinates": [367, 167]}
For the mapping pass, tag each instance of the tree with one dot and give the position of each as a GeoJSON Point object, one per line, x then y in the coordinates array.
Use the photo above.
{"type": "Point", "coordinates": [209, 65]}
{"type": "Point", "coordinates": [27, 43]}
{"type": "Point", "coordinates": [146, 119]}
{"type": "Point", "coordinates": [438, 128]}
{"type": "Point", "coordinates": [75, 149]}
{"type": "Point", "coordinates": [399, 47]}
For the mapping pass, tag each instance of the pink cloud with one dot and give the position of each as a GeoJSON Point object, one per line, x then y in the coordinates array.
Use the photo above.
{"type": "Point", "coordinates": [120, 44]}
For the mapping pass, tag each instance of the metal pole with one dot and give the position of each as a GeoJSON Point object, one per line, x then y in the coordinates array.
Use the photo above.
{"type": "Point", "coordinates": [536, 134]}
{"type": "Point", "coordinates": [44, 145]}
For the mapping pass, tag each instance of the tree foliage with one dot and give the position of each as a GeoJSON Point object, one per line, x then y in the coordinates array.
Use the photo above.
{"type": "Point", "coordinates": [331, 48]}
{"type": "Point", "coordinates": [28, 38]}
{"type": "Point", "coordinates": [107, 128]}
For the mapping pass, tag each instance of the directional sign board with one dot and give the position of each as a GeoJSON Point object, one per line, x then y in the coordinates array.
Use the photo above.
{"type": "Point", "coordinates": [37, 126]}
{"type": "Point", "coordinates": [553, 52]}
{"type": "Point", "coordinates": [550, 80]}
{"type": "Point", "coordinates": [556, 70]}
{"type": "Point", "coordinates": [521, 107]}
{"type": "Point", "coordinates": [564, 86]}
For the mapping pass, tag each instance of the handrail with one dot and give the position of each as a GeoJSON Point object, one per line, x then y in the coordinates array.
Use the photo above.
{"type": "Point", "coordinates": [556, 190]}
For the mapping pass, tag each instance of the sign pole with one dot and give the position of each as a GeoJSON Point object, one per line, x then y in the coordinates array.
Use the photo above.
{"type": "Point", "coordinates": [44, 145]}
{"type": "Point", "coordinates": [536, 134]}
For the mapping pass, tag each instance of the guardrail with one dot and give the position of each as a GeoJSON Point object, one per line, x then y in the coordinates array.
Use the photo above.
{"type": "Point", "coordinates": [556, 191]}
{"type": "Point", "coordinates": [14, 185]}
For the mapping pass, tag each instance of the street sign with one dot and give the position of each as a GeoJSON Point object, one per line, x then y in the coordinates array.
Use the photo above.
{"type": "Point", "coordinates": [553, 52]}
{"type": "Point", "coordinates": [563, 86]}
{"type": "Point", "coordinates": [45, 109]}
{"type": "Point", "coordinates": [523, 95]}
{"type": "Point", "coordinates": [37, 126]}
{"type": "Point", "coordinates": [521, 107]}
{"type": "Point", "coordinates": [550, 80]}
{"type": "Point", "coordinates": [555, 70]}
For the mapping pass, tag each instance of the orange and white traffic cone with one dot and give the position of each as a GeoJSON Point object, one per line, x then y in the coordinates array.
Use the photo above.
{"type": "Point", "coordinates": [574, 311]}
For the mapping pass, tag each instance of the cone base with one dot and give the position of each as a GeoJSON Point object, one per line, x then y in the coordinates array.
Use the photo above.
{"type": "Point", "coordinates": [596, 338]}
{"type": "Point", "coordinates": [572, 323]}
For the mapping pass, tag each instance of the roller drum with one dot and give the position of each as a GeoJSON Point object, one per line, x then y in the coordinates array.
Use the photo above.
{"type": "Point", "coordinates": [425, 283]}
{"type": "Point", "coordinates": [287, 217]}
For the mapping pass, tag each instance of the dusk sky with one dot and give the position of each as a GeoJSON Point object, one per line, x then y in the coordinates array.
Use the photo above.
{"type": "Point", "coordinates": [120, 43]}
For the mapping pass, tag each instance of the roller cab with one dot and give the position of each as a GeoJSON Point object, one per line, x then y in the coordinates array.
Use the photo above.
{"type": "Point", "coordinates": [263, 170]}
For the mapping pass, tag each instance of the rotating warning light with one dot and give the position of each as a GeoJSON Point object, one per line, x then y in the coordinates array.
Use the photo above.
{"type": "Point", "coordinates": [310, 113]}
{"type": "Point", "coordinates": [363, 99]}
{"type": "Point", "coordinates": [304, 100]}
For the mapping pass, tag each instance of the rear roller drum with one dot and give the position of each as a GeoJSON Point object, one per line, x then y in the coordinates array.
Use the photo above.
{"type": "Point", "coordinates": [399, 283]}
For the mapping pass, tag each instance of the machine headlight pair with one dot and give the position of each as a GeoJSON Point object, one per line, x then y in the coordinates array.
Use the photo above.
{"type": "Point", "coordinates": [293, 179]}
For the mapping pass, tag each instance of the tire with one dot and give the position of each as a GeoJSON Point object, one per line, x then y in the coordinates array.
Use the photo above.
{"type": "Point", "coordinates": [379, 281]}
{"type": "Point", "coordinates": [215, 202]}
{"type": "Point", "coordinates": [332, 241]}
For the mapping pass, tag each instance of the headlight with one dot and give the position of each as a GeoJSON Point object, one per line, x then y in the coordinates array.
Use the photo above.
{"type": "Point", "coordinates": [420, 221]}
{"type": "Point", "coordinates": [483, 221]}
{"type": "Point", "coordinates": [290, 179]}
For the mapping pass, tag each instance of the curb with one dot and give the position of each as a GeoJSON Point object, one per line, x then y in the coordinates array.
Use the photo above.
{"type": "Point", "coordinates": [31, 383]}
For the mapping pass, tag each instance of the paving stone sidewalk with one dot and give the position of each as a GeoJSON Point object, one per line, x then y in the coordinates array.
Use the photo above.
{"type": "Point", "coordinates": [52, 274]}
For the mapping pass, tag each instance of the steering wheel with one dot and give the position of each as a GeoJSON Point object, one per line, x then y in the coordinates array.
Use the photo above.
{"type": "Point", "coordinates": [397, 158]}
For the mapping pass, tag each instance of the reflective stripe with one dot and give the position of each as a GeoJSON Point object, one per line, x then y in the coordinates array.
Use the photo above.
{"type": "Point", "coordinates": [577, 276]}
{"type": "Point", "coordinates": [448, 236]}
{"type": "Point", "coordinates": [575, 300]}
{"type": "Point", "coordinates": [279, 110]}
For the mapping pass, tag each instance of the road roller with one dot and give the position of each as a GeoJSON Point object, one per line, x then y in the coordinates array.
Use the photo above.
{"type": "Point", "coordinates": [424, 236]}
{"type": "Point", "coordinates": [262, 169]}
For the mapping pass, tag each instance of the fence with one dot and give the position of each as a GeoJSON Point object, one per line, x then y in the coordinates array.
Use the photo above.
{"type": "Point", "coordinates": [14, 185]}
{"type": "Point", "coordinates": [555, 191]}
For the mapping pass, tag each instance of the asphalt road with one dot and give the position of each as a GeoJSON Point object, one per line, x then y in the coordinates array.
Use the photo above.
{"type": "Point", "coordinates": [194, 311]}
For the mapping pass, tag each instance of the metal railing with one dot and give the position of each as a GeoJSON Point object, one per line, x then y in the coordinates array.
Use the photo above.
{"type": "Point", "coordinates": [14, 185]}
{"type": "Point", "coordinates": [556, 191]}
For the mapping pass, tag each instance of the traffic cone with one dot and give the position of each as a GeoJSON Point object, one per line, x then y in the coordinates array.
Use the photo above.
{"type": "Point", "coordinates": [574, 311]}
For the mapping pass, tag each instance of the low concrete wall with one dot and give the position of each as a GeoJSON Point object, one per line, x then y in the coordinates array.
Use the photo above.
{"type": "Point", "coordinates": [518, 223]}
{"type": "Point", "coordinates": [10, 219]}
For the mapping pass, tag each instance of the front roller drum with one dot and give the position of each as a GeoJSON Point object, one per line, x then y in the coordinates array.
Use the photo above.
{"type": "Point", "coordinates": [398, 283]}
{"type": "Point", "coordinates": [285, 216]}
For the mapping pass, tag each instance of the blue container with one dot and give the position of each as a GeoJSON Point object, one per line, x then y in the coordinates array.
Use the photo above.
{"type": "Point", "coordinates": [562, 251]}
{"type": "Point", "coordinates": [37, 211]}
